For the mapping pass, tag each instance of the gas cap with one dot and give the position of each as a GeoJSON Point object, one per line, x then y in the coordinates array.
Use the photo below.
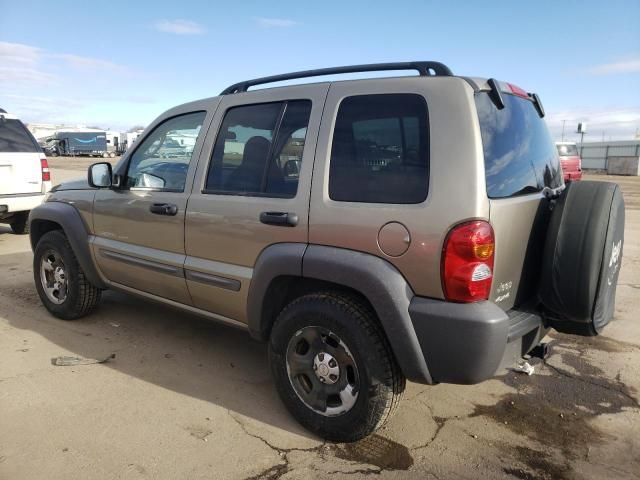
{"type": "Point", "coordinates": [394, 239]}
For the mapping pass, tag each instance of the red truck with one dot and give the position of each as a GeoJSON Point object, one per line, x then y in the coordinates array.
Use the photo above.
{"type": "Point", "coordinates": [570, 160]}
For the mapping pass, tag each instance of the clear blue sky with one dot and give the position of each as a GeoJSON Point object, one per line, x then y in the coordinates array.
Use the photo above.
{"type": "Point", "coordinates": [121, 63]}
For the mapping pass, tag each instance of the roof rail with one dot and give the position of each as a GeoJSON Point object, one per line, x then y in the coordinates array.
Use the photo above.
{"type": "Point", "coordinates": [423, 68]}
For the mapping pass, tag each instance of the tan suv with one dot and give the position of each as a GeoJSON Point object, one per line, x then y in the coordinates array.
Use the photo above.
{"type": "Point", "coordinates": [370, 230]}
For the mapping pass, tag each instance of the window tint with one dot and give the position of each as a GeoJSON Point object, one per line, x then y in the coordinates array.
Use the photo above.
{"type": "Point", "coordinates": [567, 150]}
{"type": "Point", "coordinates": [380, 150]}
{"type": "Point", "coordinates": [519, 155]}
{"type": "Point", "coordinates": [14, 137]}
{"type": "Point", "coordinates": [258, 150]}
{"type": "Point", "coordinates": [162, 159]}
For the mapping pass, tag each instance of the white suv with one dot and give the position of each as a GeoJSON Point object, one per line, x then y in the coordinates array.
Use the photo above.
{"type": "Point", "coordinates": [24, 173]}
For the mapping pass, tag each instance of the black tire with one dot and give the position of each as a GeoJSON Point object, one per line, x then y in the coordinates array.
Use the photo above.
{"type": "Point", "coordinates": [20, 223]}
{"type": "Point", "coordinates": [582, 257]}
{"type": "Point", "coordinates": [81, 297]}
{"type": "Point", "coordinates": [380, 383]}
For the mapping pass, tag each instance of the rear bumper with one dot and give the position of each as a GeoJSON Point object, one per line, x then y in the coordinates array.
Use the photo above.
{"type": "Point", "coordinates": [19, 203]}
{"type": "Point", "coordinates": [469, 343]}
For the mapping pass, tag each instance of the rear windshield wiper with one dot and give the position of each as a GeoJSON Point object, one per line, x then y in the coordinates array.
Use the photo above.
{"type": "Point", "coordinates": [537, 103]}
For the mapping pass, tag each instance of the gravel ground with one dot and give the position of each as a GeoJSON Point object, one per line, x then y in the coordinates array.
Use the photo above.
{"type": "Point", "coordinates": [189, 399]}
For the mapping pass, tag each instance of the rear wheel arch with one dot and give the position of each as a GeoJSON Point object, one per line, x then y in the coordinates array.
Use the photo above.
{"type": "Point", "coordinates": [285, 272]}
{"type": "Point", "coordinates": [286, 288]}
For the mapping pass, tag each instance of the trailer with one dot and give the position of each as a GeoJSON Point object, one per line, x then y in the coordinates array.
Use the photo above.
{"type": "Point", "coordinates": [82, 143]}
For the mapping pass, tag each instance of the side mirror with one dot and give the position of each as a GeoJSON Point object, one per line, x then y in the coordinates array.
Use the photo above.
{"type": "Point", "coordinates": [100, 175]}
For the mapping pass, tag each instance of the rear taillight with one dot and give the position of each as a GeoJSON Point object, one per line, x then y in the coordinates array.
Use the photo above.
{"type": "Point", "coordinates": [44, 165]}
{"type": "Point", "coordinates": [467, 262]}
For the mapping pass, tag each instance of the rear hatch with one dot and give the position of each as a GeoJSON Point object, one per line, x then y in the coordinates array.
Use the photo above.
{"type": "Point", "coordinates": [520, 161]}
{"type": "Point", "coordinates": [20, 154]}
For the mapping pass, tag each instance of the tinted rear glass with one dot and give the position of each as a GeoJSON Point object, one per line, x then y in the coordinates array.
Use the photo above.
{"type": "Point", "coordinates": [567, 150]}
{"type": "Point", "coordinates": [14, 137]}
{"type": "Point", "coordinates": [519, 154]}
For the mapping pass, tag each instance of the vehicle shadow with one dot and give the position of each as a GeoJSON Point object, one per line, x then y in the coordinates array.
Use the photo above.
{"type": "Point", "coordinates": [172, 349]}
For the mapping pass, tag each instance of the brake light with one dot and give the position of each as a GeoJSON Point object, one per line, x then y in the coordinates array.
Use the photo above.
{"type": "Point", "coordinates": [46, 174]}
{"type": "Point", "coordinates": [467, 262]}
{"type": "Point", "coordinates": [517, 90]}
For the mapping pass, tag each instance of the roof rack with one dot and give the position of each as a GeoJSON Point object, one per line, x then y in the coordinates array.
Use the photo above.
{"type": "Point", "coordinates": [423, 68]}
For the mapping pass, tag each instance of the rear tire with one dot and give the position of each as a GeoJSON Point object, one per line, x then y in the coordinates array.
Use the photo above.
{"type": "Point", "coordinates": [20, 223]}
{"type": "Point", "coordinates": [60, 281]}
{"type": "Point", "coordinates": [364, 387]}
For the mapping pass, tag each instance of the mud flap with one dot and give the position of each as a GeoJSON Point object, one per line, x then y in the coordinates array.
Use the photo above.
{"type": "Point", "coordinates": [582, 258]}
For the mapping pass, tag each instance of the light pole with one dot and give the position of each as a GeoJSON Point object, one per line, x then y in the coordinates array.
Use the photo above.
{"type": "Point", "coordinates": [563, 122]}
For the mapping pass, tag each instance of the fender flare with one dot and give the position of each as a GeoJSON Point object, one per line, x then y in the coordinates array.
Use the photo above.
{"type": "Point", "coordinates": [73, 226]}
{"type": "Point", "coordinates": [376, 279]}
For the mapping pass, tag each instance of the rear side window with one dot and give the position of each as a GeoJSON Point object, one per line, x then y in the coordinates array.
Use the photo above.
{"type": "Point", "coordinates": [258, 151]}
{"type": "Point", "coordinates": [567, 150]}
{"type": "Point", "coordinates": [14, 137]}
{"type": "Point", "coordinates": [519, 154]}
{"type": "Point", "coordinates": [380, 150]}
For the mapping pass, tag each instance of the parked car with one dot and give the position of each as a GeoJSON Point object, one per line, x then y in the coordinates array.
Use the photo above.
{"type": "Point", "coordinates": [371, 231]}
{"type": "Point", "coordinates": [570, 160]}
{"type": "Point", "coordinates": [50, 147]}
{"type": "Point", "coordinates": [24, 173]}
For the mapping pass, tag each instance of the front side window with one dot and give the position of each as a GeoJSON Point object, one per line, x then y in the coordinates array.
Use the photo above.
{"type": "Point", "coordinates": [162, 160]}
{"type": "Point", "coordinates": [258, 151]}
{"type": "Point", "coordinates": [380, 150]}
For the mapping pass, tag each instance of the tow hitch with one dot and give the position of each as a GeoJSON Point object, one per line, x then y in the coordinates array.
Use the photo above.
{"type": "Point", "coordinates": [542, 351]}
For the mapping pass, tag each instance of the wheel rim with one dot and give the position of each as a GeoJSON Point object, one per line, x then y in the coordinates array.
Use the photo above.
{"type": "Point", "coordinates": [322, 371]}
{"type": "Point", "coordinates": [53, 276]}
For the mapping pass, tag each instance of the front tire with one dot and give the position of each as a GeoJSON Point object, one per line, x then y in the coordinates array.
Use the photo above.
{"type": "Point", "coordinates": [333, 366]}
{"type": "Point", "coordinates": [60, 281]}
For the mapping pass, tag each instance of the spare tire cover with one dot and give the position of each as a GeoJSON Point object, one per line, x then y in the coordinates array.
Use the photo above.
{"type": "Point", "coordinates": [582, 257]}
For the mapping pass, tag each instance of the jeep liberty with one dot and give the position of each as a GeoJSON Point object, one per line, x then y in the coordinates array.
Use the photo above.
{"type": "Point", "coordinates": [372, 231]}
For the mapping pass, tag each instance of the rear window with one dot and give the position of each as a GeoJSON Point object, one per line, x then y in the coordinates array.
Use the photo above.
{"type": "Point", "coordinates": [519, 154]}
{"type": "Point", "coordinates": [567, 150]}
{"type": "Point", "coordinates": [14, 137]}
{"type": "Point", "coordinates": [380, 150]}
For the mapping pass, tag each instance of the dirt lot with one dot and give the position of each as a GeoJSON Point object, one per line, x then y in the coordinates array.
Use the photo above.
{"type": "Point", "coordinates": [188, 399]}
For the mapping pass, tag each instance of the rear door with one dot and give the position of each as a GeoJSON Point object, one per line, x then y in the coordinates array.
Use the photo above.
{"type": "Point", "coordinates": [251, 191]}
{"type": "Point", "coordinates": [20, 154]}
{"type": "Point", "coordinates": [520, 161]}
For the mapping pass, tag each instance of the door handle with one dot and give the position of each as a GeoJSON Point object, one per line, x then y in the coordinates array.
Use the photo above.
{"type": "Point", "coordinates": [280, 219]}
{"type": "Point", "coordinates": [164, 209]}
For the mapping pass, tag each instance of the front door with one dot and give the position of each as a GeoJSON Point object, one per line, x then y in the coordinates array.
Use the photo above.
{"type": "Point", "coordinates": [251, 191]}
{"type": "Point", "coordinates": [139, 226]}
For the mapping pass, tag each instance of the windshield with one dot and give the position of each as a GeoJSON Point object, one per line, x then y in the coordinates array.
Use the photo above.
{"type": "Point", "coordinates": [14, 137]}
{"type": "Point", "coordinates": [567, 150]}
{"type": "Point", "coordinates": [519, 154]}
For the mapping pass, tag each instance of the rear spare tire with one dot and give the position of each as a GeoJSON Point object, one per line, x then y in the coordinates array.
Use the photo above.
{"type": "Point", "coordinates": [582, 257]}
